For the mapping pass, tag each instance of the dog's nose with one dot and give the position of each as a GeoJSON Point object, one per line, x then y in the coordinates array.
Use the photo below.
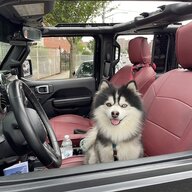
{"type": "Point", "coordinates": [114, 114]}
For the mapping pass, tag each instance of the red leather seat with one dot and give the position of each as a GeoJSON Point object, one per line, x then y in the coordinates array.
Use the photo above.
{"type": "Point", "coordinates": [141, 71]}
{"type": "Point", "coordinates": [66, 124]}
{"type": "Point", "coordinates": [168, 104]}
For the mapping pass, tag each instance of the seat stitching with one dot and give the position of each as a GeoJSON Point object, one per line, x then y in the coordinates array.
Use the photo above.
{"type": "Point", "coordinates": [162, 128]}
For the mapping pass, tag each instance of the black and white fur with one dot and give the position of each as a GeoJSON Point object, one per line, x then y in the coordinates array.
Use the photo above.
{"type": "Point", "coordinates": [118, 115]}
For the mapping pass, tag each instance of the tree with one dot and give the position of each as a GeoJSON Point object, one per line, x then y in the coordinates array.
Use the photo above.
{"type": "Point", "coordinates": [67, 11]}
{"type": "Point", "coordinates": [91, 45]}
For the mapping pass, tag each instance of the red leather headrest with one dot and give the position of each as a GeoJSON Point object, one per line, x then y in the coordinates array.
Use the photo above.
{"type": "Point", "coordinates": [139, 51]}
{"type": "Point", "coordinates": [184, 46]}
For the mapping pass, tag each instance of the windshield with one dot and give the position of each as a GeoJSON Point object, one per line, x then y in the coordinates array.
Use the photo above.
{"type": "Point", "coordinates": [4, 48]}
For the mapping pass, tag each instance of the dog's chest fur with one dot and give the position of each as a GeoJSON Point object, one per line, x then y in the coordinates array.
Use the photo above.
{"type": "Point", "coordinates": [125, 150]}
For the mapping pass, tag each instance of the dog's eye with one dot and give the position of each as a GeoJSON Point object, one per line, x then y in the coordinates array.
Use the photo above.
{"type": "Point", "coordinates": [108, 104]}
{"type": "Point", "coordinates": [124, 105]}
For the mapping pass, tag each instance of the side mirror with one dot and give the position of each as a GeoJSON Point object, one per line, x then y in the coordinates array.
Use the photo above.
{"type": "Point", "coordinates": [31, 33]}
{"type": "Point", "coordinates": [26, 68]}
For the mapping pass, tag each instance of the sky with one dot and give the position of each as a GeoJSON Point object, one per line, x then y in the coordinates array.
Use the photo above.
{"type": "Point", "coordinates": [127, 10]}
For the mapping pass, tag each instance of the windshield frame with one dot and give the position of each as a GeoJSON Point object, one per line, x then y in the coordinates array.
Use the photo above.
{"type": "Point", "coordinates": [4, 49]}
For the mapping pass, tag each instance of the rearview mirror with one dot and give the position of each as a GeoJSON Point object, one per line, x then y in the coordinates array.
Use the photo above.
{"type": "Point", "coordinates": [31, 33]}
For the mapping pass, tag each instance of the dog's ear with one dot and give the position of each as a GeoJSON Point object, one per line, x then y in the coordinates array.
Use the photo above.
{"type": "Point", "coordinates": [132, 86]}
{"type": "Point", "coordinates": [104, 84]}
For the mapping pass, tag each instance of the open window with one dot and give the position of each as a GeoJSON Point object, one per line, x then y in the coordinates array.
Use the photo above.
{"type": "Point", "coordinates": [63, 58]}
{"type": "Point", "coordinates": [160, 52]}
{"type": "Point", "coordinates": [123, 41]}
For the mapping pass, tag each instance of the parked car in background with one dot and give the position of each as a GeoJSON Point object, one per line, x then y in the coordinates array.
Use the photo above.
{"type": "Point", "coordinates": [86, 69]}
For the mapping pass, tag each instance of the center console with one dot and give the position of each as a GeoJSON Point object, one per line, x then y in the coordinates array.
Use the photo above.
{"type": "Point", "coordinates": [78, 157]}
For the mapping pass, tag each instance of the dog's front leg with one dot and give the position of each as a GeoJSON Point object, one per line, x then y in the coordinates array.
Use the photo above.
{"type": "Point", "coordinates": [91, 156]}
{"type": "Point", "coordinates": [89, 139]}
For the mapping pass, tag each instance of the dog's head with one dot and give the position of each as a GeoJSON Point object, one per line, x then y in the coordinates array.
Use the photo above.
{"type": "Point", "coordinates": [115, 105]}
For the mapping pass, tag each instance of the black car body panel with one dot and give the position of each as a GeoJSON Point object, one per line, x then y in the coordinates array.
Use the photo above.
{"type": "Point", "coordinates": [153, 173]}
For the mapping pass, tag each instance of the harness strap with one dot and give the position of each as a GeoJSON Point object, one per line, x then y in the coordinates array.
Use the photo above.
{"type": "Point", "coordinates": [114, 152]}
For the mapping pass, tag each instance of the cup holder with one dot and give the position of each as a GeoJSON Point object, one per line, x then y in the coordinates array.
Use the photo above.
{"type": "Point", "coordinates": [77, 151]}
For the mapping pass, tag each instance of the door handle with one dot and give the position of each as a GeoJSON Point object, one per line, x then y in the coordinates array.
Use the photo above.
{"type": "Point", "coordinates": [42, 89]}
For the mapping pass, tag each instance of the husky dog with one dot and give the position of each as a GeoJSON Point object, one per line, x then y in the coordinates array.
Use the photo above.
{"type": "Point", "coordinates": [118, 116]}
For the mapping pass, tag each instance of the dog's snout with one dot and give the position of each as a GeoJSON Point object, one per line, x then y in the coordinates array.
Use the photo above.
{"type": "Point", "coordinates": [114, 114]}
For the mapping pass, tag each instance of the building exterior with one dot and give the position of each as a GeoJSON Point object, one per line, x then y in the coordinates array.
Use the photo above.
{"type": "Point", "coordinates": [57, 43]}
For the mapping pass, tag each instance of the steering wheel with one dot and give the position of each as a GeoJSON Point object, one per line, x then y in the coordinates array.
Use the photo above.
{"type": "Point", "coordinates": [48, 154]}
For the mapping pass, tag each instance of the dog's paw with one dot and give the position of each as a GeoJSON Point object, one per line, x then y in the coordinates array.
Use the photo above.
{"type": "Point", "coordinates": [83, 145]}
{"type": "Point", "coordinates": [89, 140]}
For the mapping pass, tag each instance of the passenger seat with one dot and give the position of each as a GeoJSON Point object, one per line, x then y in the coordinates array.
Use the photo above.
{"type": "Point", "coordinates": [168, 103]}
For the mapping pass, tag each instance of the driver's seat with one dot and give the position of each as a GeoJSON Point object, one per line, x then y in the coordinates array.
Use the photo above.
{"type": "Point", "coordinates": [168, 105]}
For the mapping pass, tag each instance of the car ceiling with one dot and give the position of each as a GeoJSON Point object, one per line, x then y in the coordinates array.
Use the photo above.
{"type": "Point", "coordinates": [26, 12]}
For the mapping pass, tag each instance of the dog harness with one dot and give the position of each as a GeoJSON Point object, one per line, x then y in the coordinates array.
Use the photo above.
{"type": "Point", "coordinates": [114, 152]}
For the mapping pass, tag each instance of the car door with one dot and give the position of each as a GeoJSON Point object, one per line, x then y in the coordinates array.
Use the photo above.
{"type": "Point", "coordinates": [58, 92]}
{"type": "Point", "coordinates": [58, 97]}
{"type": "Point", "coordinates": [73, 96]}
